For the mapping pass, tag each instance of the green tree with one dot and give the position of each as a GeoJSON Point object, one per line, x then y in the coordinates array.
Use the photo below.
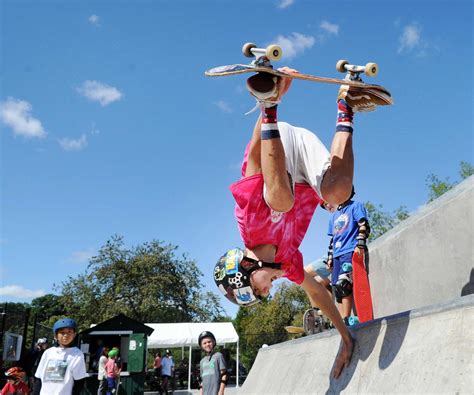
{"type": "Point", "coordinates": [437, 187]}
{"type": "Point", "coordinates": [265, 322]}
{"type": "Point", "coordinates": [47, 306]}
{"type": "Point", "coordinates": [381, 221]}
{"type": "Point", "coordinates": [147, 282]}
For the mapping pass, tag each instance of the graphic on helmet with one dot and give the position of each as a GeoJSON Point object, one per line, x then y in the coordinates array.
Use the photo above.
{"type": "Point", "coordinates": [232, 276]}
{"type": "Point", "coordinates": [206, 334]}
{"type": "Point", "coordinates": [64, 323]}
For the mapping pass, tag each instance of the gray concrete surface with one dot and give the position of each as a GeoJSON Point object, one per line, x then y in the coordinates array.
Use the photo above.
{"type": "Point", "coordinates": [428, 258]}
{"type": "Point", "coordinates": [424, 351]}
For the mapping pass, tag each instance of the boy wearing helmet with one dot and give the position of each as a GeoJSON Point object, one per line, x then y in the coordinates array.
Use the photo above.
{"type": "Point", "coordinates": [62, 369]}
{"type": "Point", "coordinates": [286, 173]}
{"type": "Point", "coordinates": [213, 369]}
{"type": "Point", "coordinates": [15, 382]}
{"type": "Point", "coordinates": [349, 229]}
{"type": "Point", "coordinates": [112, 371]}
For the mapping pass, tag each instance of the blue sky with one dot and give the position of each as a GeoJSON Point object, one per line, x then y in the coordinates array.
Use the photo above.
{"type": "Point", "coordinates": [109, 126]}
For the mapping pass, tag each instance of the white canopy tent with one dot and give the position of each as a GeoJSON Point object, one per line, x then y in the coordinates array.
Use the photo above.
{"type": "Point", "coordinates": [186, 335]}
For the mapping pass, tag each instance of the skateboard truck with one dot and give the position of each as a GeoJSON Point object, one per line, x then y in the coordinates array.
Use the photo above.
{"type": "Point", "coordinates": [353, 71]}
{"type": "Point", "coordinates": [263, 56]}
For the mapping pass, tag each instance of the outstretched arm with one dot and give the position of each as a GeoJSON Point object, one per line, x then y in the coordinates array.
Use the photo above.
{"type": "Point", "coordinates": [319, 297]}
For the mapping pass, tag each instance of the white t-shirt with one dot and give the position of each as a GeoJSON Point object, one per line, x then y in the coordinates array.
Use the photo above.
{"type": "Point", "coordinates": [101, 371]}
{"type": "Point", "coordinates": [307, 159]}
{"type": "Point", "coordinates": [58, 369]}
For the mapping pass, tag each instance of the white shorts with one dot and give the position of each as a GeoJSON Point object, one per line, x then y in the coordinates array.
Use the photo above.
{"type": "Point", "coordinates": [307, 159]}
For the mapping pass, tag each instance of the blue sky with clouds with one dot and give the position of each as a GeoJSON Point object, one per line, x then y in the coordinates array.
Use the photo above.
{"type": "Point", "coordinates": [109, 126]}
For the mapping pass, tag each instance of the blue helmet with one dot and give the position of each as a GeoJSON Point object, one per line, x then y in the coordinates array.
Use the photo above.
{"type": "Point", "coordinates": [64, 323]}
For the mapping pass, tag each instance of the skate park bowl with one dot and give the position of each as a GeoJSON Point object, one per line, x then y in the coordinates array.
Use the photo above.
{"type": "Point", "coordinates": [424, 351]}
{"type": "Point", "coordinates": [428, 258]}
{"type": "Point", "coordinates": [421, 275]}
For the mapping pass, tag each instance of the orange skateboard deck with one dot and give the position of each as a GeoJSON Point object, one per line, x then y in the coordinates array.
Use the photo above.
{"type": "Point", "coordinates": [361, 289]}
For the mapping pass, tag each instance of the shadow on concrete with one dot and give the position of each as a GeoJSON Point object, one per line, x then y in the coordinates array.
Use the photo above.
{"type": "Point", "coordinates": [366, 336]}
{"type": "Point", "coordinates": [468, 289]}
{"type": "Point", "coordinates": [397, 327]}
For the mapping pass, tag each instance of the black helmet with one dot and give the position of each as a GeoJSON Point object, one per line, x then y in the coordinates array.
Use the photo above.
{"type": "Point", "coordinates": [232, 276]}
{"type": "Point", "coordinates": [205, 334]}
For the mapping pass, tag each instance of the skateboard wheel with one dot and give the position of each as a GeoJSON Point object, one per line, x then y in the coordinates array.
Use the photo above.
{"type": "Point", "coordinates": [273, 52]}
{"type": "Point", "coordinates": [371, 69]}
{"type": "Point", "coordinates": [246, 49]}
{"type": "Point", "coordinates": [340, 65]}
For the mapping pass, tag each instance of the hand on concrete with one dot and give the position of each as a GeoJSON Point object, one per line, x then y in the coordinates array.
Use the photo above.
{"type": "Point", "coordinates": [343, 357]}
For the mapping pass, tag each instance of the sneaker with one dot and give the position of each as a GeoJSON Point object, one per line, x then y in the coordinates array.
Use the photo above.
{"type": "Point", "coordinates": [264, 88]}
{"type": "Point", "coordinates": [363, 99]}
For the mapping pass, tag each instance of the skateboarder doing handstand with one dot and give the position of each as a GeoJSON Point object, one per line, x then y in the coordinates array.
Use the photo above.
{"type": "Point", "coordinates": [286, 173]}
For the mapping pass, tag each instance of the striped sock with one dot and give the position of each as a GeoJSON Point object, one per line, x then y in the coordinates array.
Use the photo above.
{"type": "Point", "coordinates": [344, 117]}
{"type": "Point", "coordinates": [269, 123]}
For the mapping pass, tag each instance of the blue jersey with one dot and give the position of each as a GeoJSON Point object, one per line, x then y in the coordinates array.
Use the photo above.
{"type": "Point", "coordinates": [344, 229]}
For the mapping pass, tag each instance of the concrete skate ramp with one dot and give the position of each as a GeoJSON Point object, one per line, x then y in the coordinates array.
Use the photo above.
{"type": "Point", "coordinates": [424, 351]}
{"type": "Point", "coordinates": [428, 258]}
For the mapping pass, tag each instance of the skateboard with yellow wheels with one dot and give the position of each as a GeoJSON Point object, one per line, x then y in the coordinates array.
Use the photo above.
{"type": "Point", "coordinates": [263, 64]}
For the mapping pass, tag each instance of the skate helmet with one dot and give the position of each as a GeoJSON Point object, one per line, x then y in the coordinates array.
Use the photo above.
{"type": "Point", "coordinates": [232, 276]}
{"type": "Point", "coordinates": [16, 373]}
{"type": "Point", "coordinates": [64, 323]}
{"type": "Point", "coordinates": [113, 353]}
{"type": "Point", "coordinates": [207, 334]}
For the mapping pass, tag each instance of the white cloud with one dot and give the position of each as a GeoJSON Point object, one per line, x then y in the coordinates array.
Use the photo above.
{"type": "Point", "coordinates": [17, 291]}
{"type": "Point", "coordinates": [68, 144]}
{"type": "Point", "coordinates": [294, 44]}
{"type": "Point", "coordinates": [285, 3]}
{"type": "Point", "coordinates": [410, 38]}
{"type": "Point", "coordinates": [17, 114]}
{"type": "Point", "coordinates": [99, 92]}
{"type": "Point", "coordinates": [329, 28]}
{"type": "Point", "coordinates": [94, 20]}
{"type": "Point", "coordinates": [412, 42]}
{"type": "Point", "coordinates": [81, 256]}
{"type": "Point", "coordinates": [223, 106]}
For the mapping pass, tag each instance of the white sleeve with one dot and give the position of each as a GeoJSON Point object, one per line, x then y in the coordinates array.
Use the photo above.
{"type": "Point", "coordinates": [78, 368]}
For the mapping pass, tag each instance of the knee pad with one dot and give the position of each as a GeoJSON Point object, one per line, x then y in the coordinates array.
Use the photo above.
{"type": "Point", "coordinates": [342, 288]}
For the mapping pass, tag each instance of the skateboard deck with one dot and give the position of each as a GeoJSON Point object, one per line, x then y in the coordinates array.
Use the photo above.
{"type": "Point", "coordinates": [262, 64]}
{"type": "Point", "coordinates": [361, 289]}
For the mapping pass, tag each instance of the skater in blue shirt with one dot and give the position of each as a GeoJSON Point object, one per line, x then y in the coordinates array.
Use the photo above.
{"type": "Point", "coordinates": [349, 230]}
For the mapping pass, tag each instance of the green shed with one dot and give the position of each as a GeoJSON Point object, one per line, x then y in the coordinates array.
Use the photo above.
{"type": "Point", "coordinates": [130, 337]}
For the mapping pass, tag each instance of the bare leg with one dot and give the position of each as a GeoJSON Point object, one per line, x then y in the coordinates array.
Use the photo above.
{"type": "Point", "coordinates": [254, 162]}
{"type": "Point", "coordinates": [268, 157]}
{"type": "Point", "coordinates": [336, 186]}
{"type": "Point", "coordinates": [346, 306]}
